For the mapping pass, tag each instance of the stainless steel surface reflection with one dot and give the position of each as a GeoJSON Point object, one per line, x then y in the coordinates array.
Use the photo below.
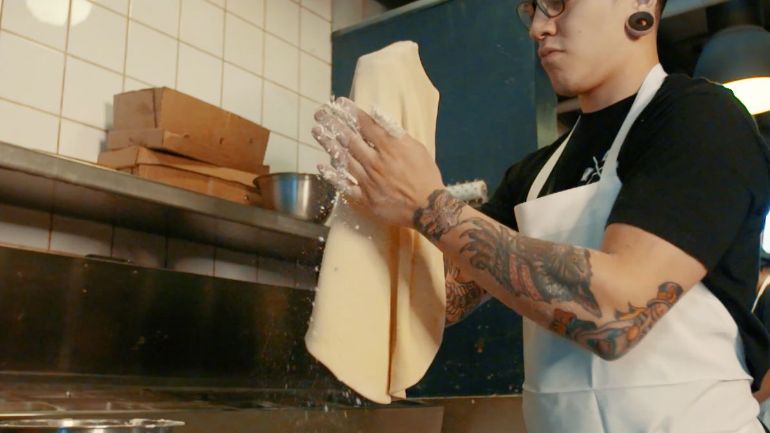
{"type": "Point", "coordinates": [67, 425]}
{"type": "Point", "coordinates": [304, 196]}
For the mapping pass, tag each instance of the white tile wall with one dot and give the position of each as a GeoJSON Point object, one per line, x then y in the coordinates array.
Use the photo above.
{"type": "Point", "coordinates": [145, 249]}
{"type": "Point", "coordinates": [281, 110]}
{"type": "Point", "coordinates": [281, 153]}
{"type": "Point", "coordinates": [202, 25]}
{"type": "Point", "coordinates": [315, 78]}
{"type": "Point", "coordinates": [100, 38]}
{"type": "Point", "coordinates": [244, 44]}
{"type": "Point", "coordinates": [250, 10]}
{"type": "Point", "coordinates": [161, 15]}
{"type": "Point", "coordinates": [81, 237]}
{"type": "Point", "coordinates": [26, 127]}
{"type": "Point", "coordinates": [309, 157]}
{"type": "Point", "coordinates": [24, 227]}
{"type": "Point", "coordinates": [346, 13]}
{"type": "Point", "coordinates": [80, 141]}
{"type": "Point", "coordinates": [19, 18]}
{"type": "Point", "coordinates": [88, 92]}
{"type": "Point", "coordinates": [200, 74]}
{"type": "Point", "coordinates": [59, 73]}
{"type": "Point", "coordinates": [190, 257]}
{"type": "Point", "coordinates": [31, 73]}
{"type": "Point", "coordinates": [235, 265]}
{"type": "Point", "coordinates": [242, 93]}
{"type": "Point", "coordinates": [282, 20]}
{"type": "Point", "coordinates": [281, 62]}
{"type": "Point", "coordinates": [151, 56]}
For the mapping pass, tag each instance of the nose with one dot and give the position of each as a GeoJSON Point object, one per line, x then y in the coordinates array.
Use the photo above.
{"type": "Point", "coordinates": [542, 26]}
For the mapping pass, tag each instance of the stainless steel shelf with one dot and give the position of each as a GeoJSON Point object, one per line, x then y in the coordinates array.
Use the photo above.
{"type": "Point", "coordinates": [51, 183]}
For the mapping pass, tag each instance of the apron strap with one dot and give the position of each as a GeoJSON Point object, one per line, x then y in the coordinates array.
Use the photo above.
{"type": "Point", "coordinates": [649, 88]}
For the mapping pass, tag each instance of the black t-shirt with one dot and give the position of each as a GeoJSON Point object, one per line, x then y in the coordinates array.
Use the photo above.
{"type": "Point", "coordinates": [695, 172]}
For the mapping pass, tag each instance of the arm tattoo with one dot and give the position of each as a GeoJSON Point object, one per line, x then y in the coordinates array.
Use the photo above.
{"type": "Point", "coordinates": [440, 216]}
{"type": "Point", "coordinates": [531, 268]}
{"type": "Point", "coordinates": [614, 338]}
{"type": "Point", "coordinates": [462, 297]}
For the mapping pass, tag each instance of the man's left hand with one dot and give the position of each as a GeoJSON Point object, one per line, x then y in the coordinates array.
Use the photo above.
{"type": "Point", "coordinates": [393, 175]}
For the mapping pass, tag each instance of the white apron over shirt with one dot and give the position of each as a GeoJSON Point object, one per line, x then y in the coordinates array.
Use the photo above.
{"type": "Point", "coordinates": [688, 375]}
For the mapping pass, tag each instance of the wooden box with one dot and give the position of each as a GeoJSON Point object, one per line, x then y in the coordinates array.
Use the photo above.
{"type": "Point", "coordinates": [131, 156]}
{"type": "Point", "coordinates": [179, 123]}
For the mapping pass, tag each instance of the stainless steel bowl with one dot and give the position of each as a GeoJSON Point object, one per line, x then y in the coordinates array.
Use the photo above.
{"type": "Point", "coordinates": [68, 425]}
{"type": "Point", "coordinates": [304, 196]}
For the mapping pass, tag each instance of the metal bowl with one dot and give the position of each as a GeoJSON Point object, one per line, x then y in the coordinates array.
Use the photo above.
{"type": "Point", "coordinates": [303, 196]}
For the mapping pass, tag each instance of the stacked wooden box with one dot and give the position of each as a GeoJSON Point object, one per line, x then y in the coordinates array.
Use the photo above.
{"type": "Point", "coordinates": [173, 138]}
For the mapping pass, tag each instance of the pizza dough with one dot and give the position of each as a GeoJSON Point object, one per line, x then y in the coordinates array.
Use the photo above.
{"type": "Point", "coordinates": [380, 306]}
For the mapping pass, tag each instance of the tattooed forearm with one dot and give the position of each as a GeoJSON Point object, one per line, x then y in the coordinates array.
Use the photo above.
{"type": "Point", "coordinates": [613, 339]}
{"type": "Point", "coordinates": [440, 216]}
{"type": "Point", "coordinates": [462, 297]}
{"type": "Point", "coordinates": [535, 269]}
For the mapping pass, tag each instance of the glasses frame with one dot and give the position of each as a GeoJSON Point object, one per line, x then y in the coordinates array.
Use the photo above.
{"type": "Point", "coordinates": [527, 19]}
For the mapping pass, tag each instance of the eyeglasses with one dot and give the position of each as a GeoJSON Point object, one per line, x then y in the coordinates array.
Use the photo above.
{"type": "Point", "coordinates": [527, 9]}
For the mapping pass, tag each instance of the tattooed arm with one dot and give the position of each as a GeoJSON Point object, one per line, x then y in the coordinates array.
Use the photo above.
{"type": "Point", "coordinates": [463, 296]}
{"type": "Point", "coordinates": [606, 301]}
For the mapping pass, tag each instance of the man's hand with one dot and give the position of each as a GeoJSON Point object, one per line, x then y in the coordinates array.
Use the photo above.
{"type": "Point", "coordinates": [393, 176]}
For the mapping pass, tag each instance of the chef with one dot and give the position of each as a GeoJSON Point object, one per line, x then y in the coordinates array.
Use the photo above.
{"type": "Point", "coordinates": [629, 245]}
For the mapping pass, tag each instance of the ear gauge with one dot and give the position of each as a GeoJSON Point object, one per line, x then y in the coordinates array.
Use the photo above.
{"type": "Point", "coordinates": [639, 24]}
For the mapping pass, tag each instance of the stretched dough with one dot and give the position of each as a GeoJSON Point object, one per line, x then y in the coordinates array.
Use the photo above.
{"type": "Point", "coordinates": [380, 305]}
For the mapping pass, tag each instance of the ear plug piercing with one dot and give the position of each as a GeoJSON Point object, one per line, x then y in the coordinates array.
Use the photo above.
{"type": "Point", "coordinates": [639, 24]}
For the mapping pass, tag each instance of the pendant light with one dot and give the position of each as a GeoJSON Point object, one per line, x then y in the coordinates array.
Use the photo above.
{"type": "Point", "coordinates": [738, 54]}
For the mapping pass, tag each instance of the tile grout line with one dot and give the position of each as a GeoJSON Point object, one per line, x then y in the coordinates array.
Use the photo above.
{"type": "Point", "coordinates": [178, 43]}
{"type": "Point", "coordinates": [299, 85]}
{"type": "Point", "coordinates": [222, 68]}
{"type": "Point", "coordinates": [125, 46]}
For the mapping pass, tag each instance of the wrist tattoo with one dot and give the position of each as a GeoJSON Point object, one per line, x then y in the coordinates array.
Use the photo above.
{"type": "Point", "coordinates": [440, 216]}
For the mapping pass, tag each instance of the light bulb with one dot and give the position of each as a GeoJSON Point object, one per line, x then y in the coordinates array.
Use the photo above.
{"type": "Point", "coordinates": [54, 12]}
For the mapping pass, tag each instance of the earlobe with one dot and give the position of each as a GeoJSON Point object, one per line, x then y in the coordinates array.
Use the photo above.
{"type": "Point", "coordinates": [639, 24]}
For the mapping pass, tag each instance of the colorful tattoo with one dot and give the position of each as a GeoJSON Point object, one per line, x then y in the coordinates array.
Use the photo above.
{"type": "Point", "coordinates": [440, 216]}
{"type": "Point", "coordinates": [462, 297]}
{"type": "Point", "coordinates": [613, 339]}
{"type": "Point", "coordinates": [535, 269]}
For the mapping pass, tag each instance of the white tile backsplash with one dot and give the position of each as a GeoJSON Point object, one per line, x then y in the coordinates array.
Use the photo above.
{"type": "Point", "coordinates": [250, 10]}
{"type": "Point", "coordinates": [315, 35]}
{"type": "Point", "coordinates": [119, 6]}
{"type": "Point", "coordinates": [346, 13]}
{"type": "Point", "coordinates": [144, 249]}
{"type": "Point", "coordinates": [315, 78]}
{"type": "Point", "coordinates": [190, 257]}
{"type": "Point", "coordinates": [100, 38]}
{"type": "Point", "coordinates": [202, 25]}
{"type": "Point", "coordinates": [307, 109]}
{"type": "Point", "coordinates": [282, 19]}
{"type": "Point", "coordinates": [80, 141]}
{"type": "Point", "coordinates": [281, 110]}
{"type": "Point", "coordinates": [244, 54]}
{"type": "Point", "coordinates": [24, 227]}
{"type": "Point", "coordinates": [244, 44]}
{"type": "Point", "coordinates": [161, 15]}
{"type": "Point", "coordinates": [309, 157]}
{"type": "Point", "coordinates": [31, 73]}
{"type": "Point", "coordinates": [151, 56]}
{"type": "Point", "coordinates": [27, 127]}
{"type": "Point", "coordinates": [80, 237]}
{"type": "Point", "coordinates": [88, 92]}
{"type": "Point", "coordinates": [200, 74]}
{"type": "Point", "coordinates": [31, 19]}
{"type": "Point", "coordinates": [321, 7]}
{"type": "Point", "coordinates": [242, 93]}
{"type": "Point", "coordinates": [281, 154]}
{"type": "Point", "coordinates": [281, 62]}
{"type": "Point", "coordinates": [235, 265]}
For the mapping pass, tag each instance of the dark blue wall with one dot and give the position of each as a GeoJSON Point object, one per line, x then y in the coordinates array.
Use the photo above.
{"type": "Point", "coordinates": [481, 60]}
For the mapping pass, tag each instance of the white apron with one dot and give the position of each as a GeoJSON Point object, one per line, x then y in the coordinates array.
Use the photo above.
{"type": "Point", "coordinates": [687, 375]}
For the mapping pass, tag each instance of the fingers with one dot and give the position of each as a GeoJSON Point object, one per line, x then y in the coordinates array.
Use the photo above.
{"type": "Point", "coordinates": [341, 183]}
{"type": "Point", "coordinates": [370, 130]}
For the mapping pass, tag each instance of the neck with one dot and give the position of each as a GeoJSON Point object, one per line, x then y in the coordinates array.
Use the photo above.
{"type": "Point", "coordinates": [621, 84]}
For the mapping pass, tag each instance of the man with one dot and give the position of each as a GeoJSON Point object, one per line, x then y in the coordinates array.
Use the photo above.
{"type": "Point", "coordinates": [629, 246]}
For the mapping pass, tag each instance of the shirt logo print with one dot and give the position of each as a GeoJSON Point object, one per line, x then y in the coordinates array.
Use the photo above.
{"type": "Point", "coordinates": [592, 174]}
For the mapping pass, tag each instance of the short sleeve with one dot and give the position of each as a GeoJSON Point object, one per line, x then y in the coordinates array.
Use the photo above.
{"type": "Point", "coordinates": [500, 205]}
{"type": "Point", "coordinates": [700, 171]}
